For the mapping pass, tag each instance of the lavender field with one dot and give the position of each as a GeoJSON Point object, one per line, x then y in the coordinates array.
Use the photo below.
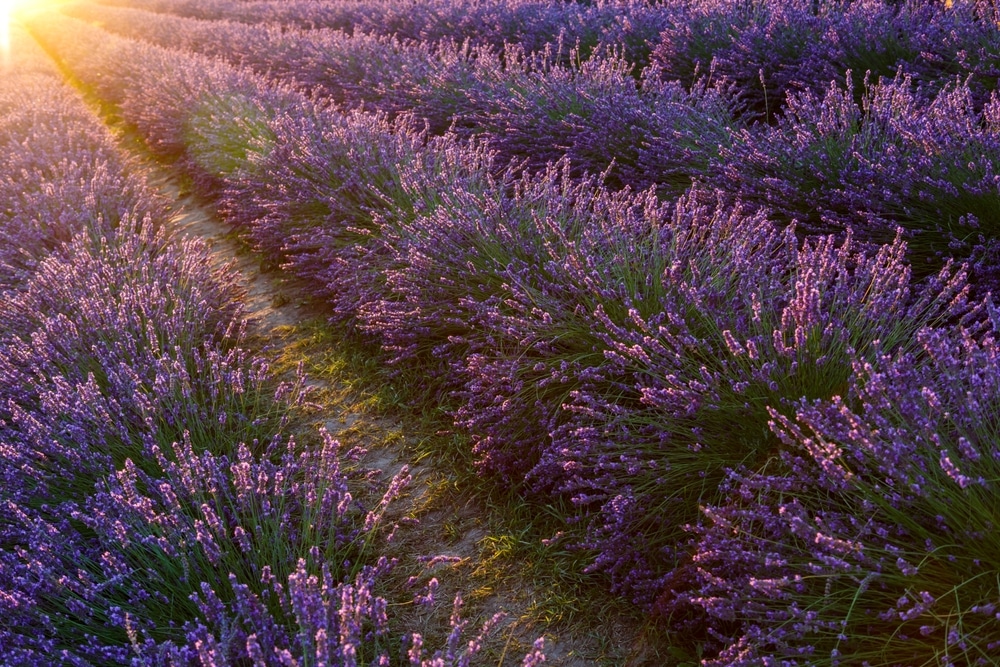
{"type": "Point", "coordinates": [708, 284]}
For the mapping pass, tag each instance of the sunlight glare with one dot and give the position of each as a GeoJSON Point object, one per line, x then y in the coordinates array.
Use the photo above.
{"type": "Point", "coordinates": [8, 8]}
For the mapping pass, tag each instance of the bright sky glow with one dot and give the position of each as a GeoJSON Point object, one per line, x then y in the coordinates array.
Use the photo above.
{"type": "Point", "coordinates": [8, 8]}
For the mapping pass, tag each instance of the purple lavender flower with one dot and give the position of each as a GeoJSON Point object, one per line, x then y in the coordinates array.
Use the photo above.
{"type": "Point", "coordinates": [766, 49]}
{"type": "Point", "coordinates": [891, 160]}
{"type": "Point", "coordinates": [874, 518]}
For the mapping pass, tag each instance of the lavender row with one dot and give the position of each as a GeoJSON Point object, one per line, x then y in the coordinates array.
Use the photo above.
{"type": "Point", "coordinates": [154, 511]}
{"type": "Point", "coordinates": [872, 155]}
{"type": "Point", "coordinates": [575, 328]}
{"type": "Point", "coordinates": [766, 50]}
{"type": "Point", "coordinates": [769, 49]}
{"type": "Point", "coordinates": [606, 346]}
{"type": "Point", "coordinates": [378, 72]}
{"type": "Point", "coordinates": [535, 108]}
{"type": "Point", "coordinates": [57, 178]}
{"type": "Point", "coordinates": [110, 331]}
{"type": "Point", "coordinates": [633, 24]}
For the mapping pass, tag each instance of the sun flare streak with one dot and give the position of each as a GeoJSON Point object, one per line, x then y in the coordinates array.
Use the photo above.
{"type": "Point", "coordinates": [9, 9]}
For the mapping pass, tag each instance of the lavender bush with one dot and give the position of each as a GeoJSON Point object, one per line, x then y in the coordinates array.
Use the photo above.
{"type": "Point", "coordinates": [590, 112]}
{"type": "Point", "coordinates": [739, 317]}
{"type": "Point", "coordinates": [873, 538]}
{"type": "Point", "coordinates": [324, 199]}
{"type": "Point", "coordinates": [765, 49]}
{"type": "Point", "coordinates": [501, 341]}
{"type": "Point", "coordinates": [891, 160]}
{"type": "Point", "coordinates": [691, 127]}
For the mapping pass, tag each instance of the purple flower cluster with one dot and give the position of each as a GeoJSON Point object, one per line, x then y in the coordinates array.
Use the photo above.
{"type": "Point", "coordinates": [537, 101]}
{"type": "Point", "coordinates": [874, 538]}
{"type": "Point", "coordinates": [633, 24]}
{"type": "Point", "coordinates": [771, 49]}
{"type": "Point", "coordinates": [892, 159]}
{"type": "Point", "coordinates": [776, 433]}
